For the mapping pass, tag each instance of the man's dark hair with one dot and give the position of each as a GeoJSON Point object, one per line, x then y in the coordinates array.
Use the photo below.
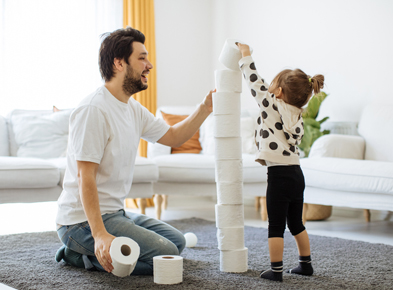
{"type": "Point", "coordinates": [117, 44]}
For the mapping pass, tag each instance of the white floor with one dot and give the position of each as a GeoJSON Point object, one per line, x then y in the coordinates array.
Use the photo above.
{"type": "Point", "coordinates": [344, 223]}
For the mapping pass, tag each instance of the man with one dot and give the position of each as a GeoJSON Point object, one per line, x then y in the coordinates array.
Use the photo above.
{"type": "Point", "coordinates": [105, 129]}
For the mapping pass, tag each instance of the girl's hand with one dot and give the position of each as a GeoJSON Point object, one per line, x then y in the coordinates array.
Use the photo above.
{"type": "Point", "coordinates": [244, 49]}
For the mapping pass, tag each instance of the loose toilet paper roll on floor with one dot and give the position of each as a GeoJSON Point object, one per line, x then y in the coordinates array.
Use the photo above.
{"type": "Point", "coordinates": [230, 54]}
{"type": "Point", "coordinates": [168, 269]}
{"type": "Point", "coordinates": [228, 216]}
{"type": "Point", "coordinates": [228, 80]}
{"type": "Point", "coordinates": [228, 148]}
{"type": "Point", "coordinates": [229, 192]}
{"type": "Point", "coordinates": [229, 170]}
{"type": "Point", "coordinates": [227, 126]}
{"type": "Point", "coordinates": [124, 253]}
{"type": "Point", "coordinates": [230, 239]}
{"type": "Point", "coordinates": [234, 261]}
{"type": "Point", "coordinates": [226, 103]}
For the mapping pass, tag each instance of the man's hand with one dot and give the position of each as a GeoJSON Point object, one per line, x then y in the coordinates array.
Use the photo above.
{"type": "Point", "coordinates": [244, 49]}
{"type": "Point", "coordinates": [208, 101]}
{"type": "Point", "coordinates": [102, 244]}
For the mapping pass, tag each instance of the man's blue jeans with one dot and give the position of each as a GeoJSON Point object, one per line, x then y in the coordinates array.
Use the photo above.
{"type": "Point", "coordinates": [154, 238]}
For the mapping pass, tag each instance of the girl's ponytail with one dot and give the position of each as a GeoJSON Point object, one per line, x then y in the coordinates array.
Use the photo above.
{"type": "Point", "coordinates": [317, 83]}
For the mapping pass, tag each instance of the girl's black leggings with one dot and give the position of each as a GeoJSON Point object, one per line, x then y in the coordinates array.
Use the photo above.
{"type": "Point", "coordinates": [284, 198]}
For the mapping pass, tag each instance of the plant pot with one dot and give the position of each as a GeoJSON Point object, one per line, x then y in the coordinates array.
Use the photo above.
{"type": "Point", "coordinates": [317, 212]}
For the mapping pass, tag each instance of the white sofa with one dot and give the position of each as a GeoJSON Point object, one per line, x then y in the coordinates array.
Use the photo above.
{"type": "Point", "coordinates": [32, 158]}
{"type": "Point", "coordinates": [354, 171]}
{"type": "Point", "coordinates": [194, 174]}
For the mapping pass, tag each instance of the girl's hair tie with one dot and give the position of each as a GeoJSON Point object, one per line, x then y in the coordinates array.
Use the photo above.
{"type": "Point", "coordinates": [310, 80]}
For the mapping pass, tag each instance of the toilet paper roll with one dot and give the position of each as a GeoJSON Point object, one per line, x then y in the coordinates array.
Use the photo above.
{"type": "Point", "coordinates": [228, 80]}
{"type": "Point", "coordinates": [228, 216]}
{"type": "Point", "coordinates": [124, 253]}
{"type": "Point", "coordinates": [168, 269]}
{"type": "Point", "coordinates": [226, 103]}
{"type": "Point", "coordinates": [230, 239]}
{"type": "Point", "coordinates": [229, 192]}
{"type": "Point", "coordinates": [234, 261]}
{"type": "Point", "coordinates": [228, 148]}
{"type": "Point", "coordinates": [229, 170]}
{"type": "Point", "coordinates": [230, 54]}
{"type": "Point", "coordinates": [227, 126]}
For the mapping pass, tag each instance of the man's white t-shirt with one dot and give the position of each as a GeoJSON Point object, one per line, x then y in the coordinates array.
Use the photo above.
{"type": "Point", "coordinates": [105, 131]}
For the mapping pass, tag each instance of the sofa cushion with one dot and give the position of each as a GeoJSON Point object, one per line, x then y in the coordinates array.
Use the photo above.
{"type": "Point", "coordinates": [145, 170]}
{"type": "Point", "coordinates": [375, 127]}
{"type": "Point", "coordinates": [4, 144]}
{"type": "Point", "coordinates": [40, 134]}
{"type": "Point", "coordinates": [348, 174]}
{"type": "Point", "coordinates": [17, 172]}
{"type": "Point", "coordinates": [197, 168]}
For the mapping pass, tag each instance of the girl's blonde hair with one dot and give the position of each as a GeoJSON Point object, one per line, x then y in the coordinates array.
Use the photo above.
{"type": "Point", "coordinates": [297, 87]}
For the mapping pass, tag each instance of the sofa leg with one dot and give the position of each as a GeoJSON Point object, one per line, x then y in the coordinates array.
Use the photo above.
{"type": "Point", "coordinates": [257, 203]}
{"type": "Point", "coordinates": [142, 203]}
{"type": "Point", "coordinates": [164, 201]}
{"type": "Point", "coordinates": [305, 208]}
{"type": "Point", "coordinates": [158, 205]}
{"type": "Point", "coordinates": [367, 214]}
{"type": "Point", "coordinates": [262, 202]}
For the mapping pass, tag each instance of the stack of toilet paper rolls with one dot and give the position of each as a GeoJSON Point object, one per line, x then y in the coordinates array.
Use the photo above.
{"type": "Point", "coordinates": [229, 164]}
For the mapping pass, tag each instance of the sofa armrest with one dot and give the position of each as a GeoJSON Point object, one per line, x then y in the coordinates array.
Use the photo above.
{"type": "Point", "coordinates": [340, 146]}
{"type": "Point", "coordinates": [4, 141]}
{"type": "Point", "coordinates": [157, 149]}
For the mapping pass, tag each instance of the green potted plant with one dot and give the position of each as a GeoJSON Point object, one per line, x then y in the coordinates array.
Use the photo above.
{"type": "Point", "coordinates": [312, 131]}
{"type": "Point", "coordinates": [312, 127]}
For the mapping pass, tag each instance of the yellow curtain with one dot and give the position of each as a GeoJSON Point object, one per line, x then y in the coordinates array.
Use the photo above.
{"type": "Point", "coordinates": [139, 14]}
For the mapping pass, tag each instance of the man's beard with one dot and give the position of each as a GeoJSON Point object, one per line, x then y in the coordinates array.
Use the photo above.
{"type": "Point", "coordinates": [132, 84]}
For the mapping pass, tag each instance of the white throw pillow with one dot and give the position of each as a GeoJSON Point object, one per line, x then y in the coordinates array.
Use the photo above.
{"type": "Point", "coordinates": [41, 136]}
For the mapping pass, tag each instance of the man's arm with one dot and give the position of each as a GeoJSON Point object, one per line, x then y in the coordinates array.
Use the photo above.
{"type": "Point", "coordinates": [184, 130]}
{"type": "Point", "coordinates": [87, 172]}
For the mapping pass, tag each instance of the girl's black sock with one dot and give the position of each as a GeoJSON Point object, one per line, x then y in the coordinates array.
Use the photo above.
{"type": "Point", "coordinates": [275, 273]}
{"type": "Point", "coordinates": [304, 267]}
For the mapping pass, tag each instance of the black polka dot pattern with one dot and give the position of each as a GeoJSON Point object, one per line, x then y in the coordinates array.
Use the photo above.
{"type": "Point", "coordinates": [253, 93]}
{"type": "Point", "coordinates": [253, 78]}
{"type": "Point", "coordinates": [287, 135]}
{"type": "Point", "coordinates": [259, 121]}
{"type": "Point", "coordinates": [271, 130]}
{"type": "Point", "coordinates": [298, 130]}
{"type": "Point", "coordinates": [278, 126]}
{"type": "Point", "coordinates": [242, 65]}
{"type": "Point", "coordinates": [252, 66]}
{"type": "Point", "coordinates": [265, 103]}
{"type": "Point", "coordinates": [264, 115]}
{"type": "Point", "coordinates": [275, 107]}
{"type": "Point", "coordinates": [286, 153]}
{"type": "Point", "coordinates": [256, 132]}
{"type": "Point", "coordinates": [273, 145]}
{"type": "Point", "coordinates": [263, 88]}
{"type": "Point", "coordinates": [295, 136]}
{"type": "Point", "coordinates": [292, 148]}
{"type": "Point", "coordinates": [265, 134]}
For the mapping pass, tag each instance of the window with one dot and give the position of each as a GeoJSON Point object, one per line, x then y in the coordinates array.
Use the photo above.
{"type": "Point", "coordinates": [49, 50]}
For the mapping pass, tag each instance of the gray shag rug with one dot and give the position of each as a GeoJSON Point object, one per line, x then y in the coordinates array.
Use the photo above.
{"type": "Point", "coordinates": [27, 262]}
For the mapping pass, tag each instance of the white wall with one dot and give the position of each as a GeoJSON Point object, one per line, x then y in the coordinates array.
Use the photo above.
{"type": "Point", "coordinates": [350, 42]}
{"type": "Point", "coordinates": [183, 43]}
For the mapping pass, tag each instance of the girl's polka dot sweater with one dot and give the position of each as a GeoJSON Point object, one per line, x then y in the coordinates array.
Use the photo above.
{"type": "Point", "coordinates": [280, 125]}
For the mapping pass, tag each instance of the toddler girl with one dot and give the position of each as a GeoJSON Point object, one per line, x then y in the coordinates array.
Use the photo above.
{"type": "Point", "coordinates": [280, 130]}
